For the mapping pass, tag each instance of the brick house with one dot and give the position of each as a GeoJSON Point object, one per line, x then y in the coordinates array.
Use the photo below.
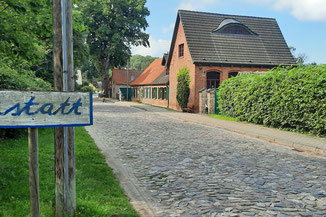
{"type": "Point", "coordinates": [119, 80]}
{"type": "Point", "coordinates": [151, 86]}
{"type": "Point", "coordinates": [215, 47]}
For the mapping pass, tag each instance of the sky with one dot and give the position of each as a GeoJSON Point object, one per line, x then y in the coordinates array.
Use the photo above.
{"type": "Point", "coordinates": [302, 22]}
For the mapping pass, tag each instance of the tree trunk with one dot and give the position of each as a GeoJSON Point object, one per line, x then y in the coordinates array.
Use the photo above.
{"type": "Point", "coordinates": [105, 76]}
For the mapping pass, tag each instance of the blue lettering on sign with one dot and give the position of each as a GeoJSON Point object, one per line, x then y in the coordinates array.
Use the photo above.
{"type": "Point", "coordinates": [62, 107]}
{"type": "Point", "coordinates": [46, 108]}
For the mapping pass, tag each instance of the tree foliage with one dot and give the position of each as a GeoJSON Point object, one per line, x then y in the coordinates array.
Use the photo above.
{"type": "Point", "coordinates": [25, 26]}
{"type": "Point", "coordinates": [299, 58]}
{"type": "Point", "coordinates": [12, 80]}
{"type": "Point", "coordinates": [183, 89]}
{"type": "Point", "coordinates": [139, 62]}
{"type": "Point", "coordinates": [26, 37]}
{"type": "Point", "coordinates": [289, 98]}
{"type": "Point", "coordinates": [113, 26]}
{"type": "Point", "coordinates": [109, 27]}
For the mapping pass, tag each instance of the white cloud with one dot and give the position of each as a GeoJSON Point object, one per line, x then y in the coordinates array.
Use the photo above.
{"type": "Point", "coordinates": [168, 28]}
{"type": "Point", "coordinates": [187, 6]}
{"type": "Point", "coordinates": [301, 9]}
{"type": "Point", "coordinates": [195, 5]}
{"type": "Point", "coordinates": [157, 48]}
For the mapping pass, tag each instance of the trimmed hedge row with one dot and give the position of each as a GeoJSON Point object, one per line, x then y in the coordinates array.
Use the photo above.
{"type": "Point", "coordinates": [293, 99]}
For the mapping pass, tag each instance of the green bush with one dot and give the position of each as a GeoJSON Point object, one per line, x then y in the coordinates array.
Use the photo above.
{"type": "Point", "coordinates": [87, 89]}
{"type": "Point", "coordinates": [12, 80]}
{"type": "Point", "coordinates": [293, 99]}
{"type": "Point", "coordinates": [183, 89]}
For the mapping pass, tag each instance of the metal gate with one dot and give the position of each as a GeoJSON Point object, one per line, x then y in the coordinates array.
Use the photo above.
{"type": "Point", "coordinates": [124, 93]}
{"type": "Point", "coordinates": [217, 110]}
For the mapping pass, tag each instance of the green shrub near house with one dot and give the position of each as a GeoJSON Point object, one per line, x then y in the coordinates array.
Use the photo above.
{"type": "Point", "coordinates": [87, 89]}
{"type": "Point", "coordinates": [288, 98]}
{"type": "Point", "coordinates": [183, 89]}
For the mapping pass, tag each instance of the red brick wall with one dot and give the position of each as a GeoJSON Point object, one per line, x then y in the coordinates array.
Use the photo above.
{"type": "Point", "coordinates": [224, 74]}
{"type": "Point", "coordinates": [178, 63]}
{"type": "Point", "coordinates": [151, 101]}
{"type": "Point", "coordinates": [197, 73]}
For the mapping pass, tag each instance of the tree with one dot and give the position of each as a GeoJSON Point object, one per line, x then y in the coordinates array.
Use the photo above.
{"type": "Point", "coordinates": [24, 27]}
{"type": "Point", "coordinates": [300, 58]}
{"type": "Point", "coordinates": [26, 37]}
{"type": "Point", "coordinates": [113, 26]}
{"type": "Point", "coordinates": [183, 89]}
{"type": "Point", "coordinates": [139, 62]}
{"type": "Point", "coordinates": [89, 71]}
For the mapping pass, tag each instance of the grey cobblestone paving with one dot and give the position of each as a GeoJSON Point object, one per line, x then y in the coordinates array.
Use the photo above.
{"type": "Point", "coordinates": [194, 170]}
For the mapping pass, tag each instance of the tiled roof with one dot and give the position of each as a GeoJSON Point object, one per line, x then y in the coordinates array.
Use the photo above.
{"type": "Point", "coordinates": [266, 47]}
{"type": "Point", "coordinates": [150, 74]}
{"type": "Point", "coordinates": [162, 79]}
{"type": "Point", "coordinates": [120, 76]}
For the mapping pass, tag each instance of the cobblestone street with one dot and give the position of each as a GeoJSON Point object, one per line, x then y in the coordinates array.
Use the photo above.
{"type": "Point", "coordinates": [187, 169]}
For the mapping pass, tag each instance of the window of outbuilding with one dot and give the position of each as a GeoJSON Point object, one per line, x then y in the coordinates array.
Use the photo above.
{"type": "Point", "coordinates": [181, 50]}
{"type": "Point", "coordinates": [233, 74]}
{"type": "Point", "coordinates": [164, 93]}
{"type": "Point", "coordinates": [159, 93]}
{"type": "Point", "coordinates": [213, 79]}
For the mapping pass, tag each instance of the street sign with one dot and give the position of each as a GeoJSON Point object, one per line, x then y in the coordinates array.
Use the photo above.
{"type": "Point", "coordinates": [30, 109]}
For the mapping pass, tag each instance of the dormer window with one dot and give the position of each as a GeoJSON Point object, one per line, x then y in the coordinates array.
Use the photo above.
{"type": "Point", "coordinates": [234, 27]}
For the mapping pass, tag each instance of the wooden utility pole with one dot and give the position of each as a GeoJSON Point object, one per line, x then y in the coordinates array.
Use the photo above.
{"type": "Point", "coordinates": [65, 184]}
{"type": "Point", "coordinates": [58, 131]}
{"type": "Point", "coordinates": [71, 131]}
{"type": "Point", "coordinates": [33, 172]}
{"type": "Point", "coordinates": [127, 80]}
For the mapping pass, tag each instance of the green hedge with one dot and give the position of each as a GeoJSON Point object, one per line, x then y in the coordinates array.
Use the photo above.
{"type": "Point", "coordinates": [12, 80]}
{"type": "Point", "coordinates": [293, 99]}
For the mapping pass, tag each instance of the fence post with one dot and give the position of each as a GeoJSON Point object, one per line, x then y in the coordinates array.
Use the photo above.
{"type": "Point", "coordinates": [33, 172]}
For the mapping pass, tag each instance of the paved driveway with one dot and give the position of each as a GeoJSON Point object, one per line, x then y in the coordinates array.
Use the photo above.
{"type": "Point", "coordinates": [171, 167]}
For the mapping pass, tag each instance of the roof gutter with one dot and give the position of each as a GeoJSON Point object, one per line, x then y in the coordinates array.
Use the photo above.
{"type": "Point", "coordinates": [242, 65]}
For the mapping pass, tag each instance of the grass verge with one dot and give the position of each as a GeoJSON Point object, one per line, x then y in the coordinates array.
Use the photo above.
{"type": "Point", "coordinates": [98, 192]}
{"type": "Point", "coordinates": [222, 117]}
